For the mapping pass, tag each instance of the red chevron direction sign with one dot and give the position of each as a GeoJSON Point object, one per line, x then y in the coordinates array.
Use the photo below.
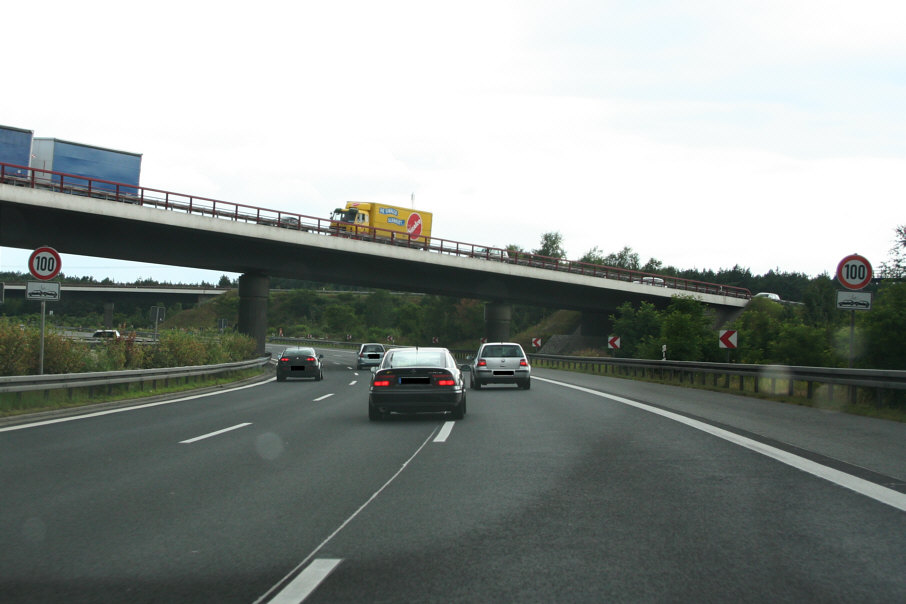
{"type": "Point", "coordinates": [536, 342]}
{"type": "Point", "coordinates": [728, 338]}
{"type": "Point", "coordinates": [613, 342]}
{"type": "Point", "coordinates": [854, 272]}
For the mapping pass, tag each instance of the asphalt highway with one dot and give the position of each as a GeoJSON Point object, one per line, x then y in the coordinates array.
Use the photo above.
{"type": "Point", "coordinates": [582, 489]}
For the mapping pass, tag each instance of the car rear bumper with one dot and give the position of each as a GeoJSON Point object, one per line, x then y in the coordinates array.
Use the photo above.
{"type": "Point", "coordinates": [412, 402]}
{"type": "Point", "coordinates": [502, 376]}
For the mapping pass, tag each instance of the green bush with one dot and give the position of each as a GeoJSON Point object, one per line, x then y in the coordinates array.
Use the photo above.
{"type": "Point", "coordinates": [15, 351]}
{"type": "Point", "coordinates": [179, 349]}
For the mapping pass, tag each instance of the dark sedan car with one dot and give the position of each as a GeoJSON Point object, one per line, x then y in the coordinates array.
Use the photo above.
{"type": "Point", "coordinates": [415, 380]}
{"type": "Point", "coordinates": [299, 363]}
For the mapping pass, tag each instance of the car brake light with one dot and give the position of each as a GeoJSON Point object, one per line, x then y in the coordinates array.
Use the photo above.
{"type": "Point", "coordinates": [312, 359]}
{"type": "Point", "coordinates": [284, 359]}
{"type": "Point", "coordinates": [446, 382]}
{"type": "Point", "coordinates": [482, 363]}
{"type": "Point", "coordinates": [381, 383]}
{"type": "Point", "coordinates": [522, 363]}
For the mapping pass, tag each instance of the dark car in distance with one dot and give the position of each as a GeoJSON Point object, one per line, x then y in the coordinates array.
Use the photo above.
{"type": "Point", "coordinates": [417, 380]}
{"type": "Point", "coordinates": [299, 363]}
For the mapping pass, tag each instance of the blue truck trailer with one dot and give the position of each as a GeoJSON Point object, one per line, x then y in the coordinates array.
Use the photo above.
{"type": "Point", "coordinates": [88, 161]}
{"type": "Point", "coordinates": [15, 148]}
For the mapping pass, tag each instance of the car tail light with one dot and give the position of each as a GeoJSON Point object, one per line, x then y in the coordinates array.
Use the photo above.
{"type": "Point", "coordinates": [522, 363]}
{"type": "Point", "coordinates": [284, 359]}
{"type": "Point", "coordinates": [482, 363]}
{"type": "Point", "coordinates": [446, 382]}
{"type": "Point", "coordinates": [310, 359]}
{"type": "Point", "coordinates": [378, 383]}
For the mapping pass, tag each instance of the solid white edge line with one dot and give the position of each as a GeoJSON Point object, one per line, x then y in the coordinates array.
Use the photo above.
{"type": "Point", "coordinates": [321, 398]}
{"type": "Point", "coordinates": [73, 418]}
{"type": "Point", "coordinates": [864, 487]}
{"type": "Point", "coordinates": [347, 521]}
{"type": "Point", "coordinates": [210, 434]}
{"type": "Point", "coordinates": [444, 432]}
{"type": "Point", "coordinates": [308, 580]}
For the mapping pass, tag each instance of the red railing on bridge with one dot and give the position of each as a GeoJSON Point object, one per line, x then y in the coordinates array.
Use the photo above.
{"type": "Point", "coordinates": [190, 204]}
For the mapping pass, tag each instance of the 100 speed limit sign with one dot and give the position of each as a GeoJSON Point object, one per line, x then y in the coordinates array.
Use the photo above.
{"type": "Point", "coordinates": [44, 263]}
{"type": "Point", "coordinates": [854, 272]}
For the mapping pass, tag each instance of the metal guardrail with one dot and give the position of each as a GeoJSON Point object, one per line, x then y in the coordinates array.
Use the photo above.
{"type": "Point", "coordinates": [28, 383]}
{"type": "Point", "coordinates": [878, 379]}
{"type": "Point", "coordinates": [191, 204]}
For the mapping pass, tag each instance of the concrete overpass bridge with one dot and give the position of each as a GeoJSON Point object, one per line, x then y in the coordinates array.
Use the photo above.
{"type": "Point", "coordinates": [150, 225]}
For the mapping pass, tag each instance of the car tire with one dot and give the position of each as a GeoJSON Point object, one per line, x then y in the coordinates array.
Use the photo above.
{"type": "Point", "coordinates": [526, 385]}
{"type": "Point", "coordinates": [476, 385]}
{"type": "Point", "coordinates": [320, 376]}
{"type": "Point", "coordinates": [459, 411]}
{"type": "Point", "coordinates": [374, 414]}
{"type": "Point", "coordinates": [281, 378]}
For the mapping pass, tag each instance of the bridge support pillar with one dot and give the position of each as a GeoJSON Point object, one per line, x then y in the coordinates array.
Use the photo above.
{"type": "Point", "coordinates": [253, 293]}
{"type": "Point", "coordinates": [108, 315]}
{"type": "Point", "coordinates": [497, 316]}
{"type": "Point", "coordinates": [595, 324]}
{"type": "Point", "coordinates": [723, 316]}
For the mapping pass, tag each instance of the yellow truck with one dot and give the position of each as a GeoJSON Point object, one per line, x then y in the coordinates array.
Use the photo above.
{"type": "Point", "coordinates": [381, 221]}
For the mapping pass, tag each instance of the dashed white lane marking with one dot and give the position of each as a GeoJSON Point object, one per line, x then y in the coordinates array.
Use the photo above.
{"type": "Point", "coordinates": [308, 580]}
{"type": "Point", "coordinates": [210, 434]}
{"type": "Point", "coordinates": [444, 432]}
{"type": "Point", "coordinates": [321, 398]}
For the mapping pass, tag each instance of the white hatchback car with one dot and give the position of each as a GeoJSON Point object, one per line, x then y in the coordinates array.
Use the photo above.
{"type": "Point", "coordinates": [501, 363]}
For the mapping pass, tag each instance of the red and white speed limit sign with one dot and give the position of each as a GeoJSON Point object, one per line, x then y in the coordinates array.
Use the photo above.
{"type": "Point", "coordinates": [44, 263]}
{"type": "Point", "coordinates": [854, 272]}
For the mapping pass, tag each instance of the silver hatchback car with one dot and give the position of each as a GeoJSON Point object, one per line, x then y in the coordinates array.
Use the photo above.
{"type": "Point", "coordinates": [501, 363]}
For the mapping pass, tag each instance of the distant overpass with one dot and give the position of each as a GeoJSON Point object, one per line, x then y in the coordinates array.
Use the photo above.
{"type": "Point", "coordinates": [151, 225]}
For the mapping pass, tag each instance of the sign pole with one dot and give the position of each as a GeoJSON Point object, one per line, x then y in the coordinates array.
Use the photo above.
{"type": "Point", "coordinates": [41, 354]}
{"type": "Point", "coordinates": [852, 336]}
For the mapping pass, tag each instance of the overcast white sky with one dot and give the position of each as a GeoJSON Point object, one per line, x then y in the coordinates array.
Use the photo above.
{"type": "Point", "coordinates": [769, 134]}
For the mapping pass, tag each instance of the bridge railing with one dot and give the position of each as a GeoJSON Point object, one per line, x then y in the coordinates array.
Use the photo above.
{"type": "Point", "coordinates": [214, 208]}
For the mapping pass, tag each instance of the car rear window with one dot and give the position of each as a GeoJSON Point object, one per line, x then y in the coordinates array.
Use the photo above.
{"type": "Point", "coordinates": [502, 351]}
{"type": "Point", "coordinates": [372, 349]}
{"type": "Point", "coordinates": [413, 358]}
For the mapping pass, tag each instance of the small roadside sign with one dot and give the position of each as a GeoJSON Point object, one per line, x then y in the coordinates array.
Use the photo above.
{"type": "Point", "coordinates": [44, 263]}
{"type": "Point", "coordinates": [40, 290]}
{"type": "Point", "coordinates": [727, 338]}
{"type": "Point", "coordinates": [613, 342]}
{"type": "Point", "coordinates": [536, 342]}
{"type": "Point", "coordinates": [853, 300]}
{"type": "Point", "coordinates": [854, 272]}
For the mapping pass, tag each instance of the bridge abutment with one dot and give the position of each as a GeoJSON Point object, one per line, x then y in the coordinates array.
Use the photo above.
{"type": "Point", "coordinates": [595, 324]}
{"type": "Point", "coordinates": [497, 317]}
{"type": "Point", "coordinates": [253, 293]}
